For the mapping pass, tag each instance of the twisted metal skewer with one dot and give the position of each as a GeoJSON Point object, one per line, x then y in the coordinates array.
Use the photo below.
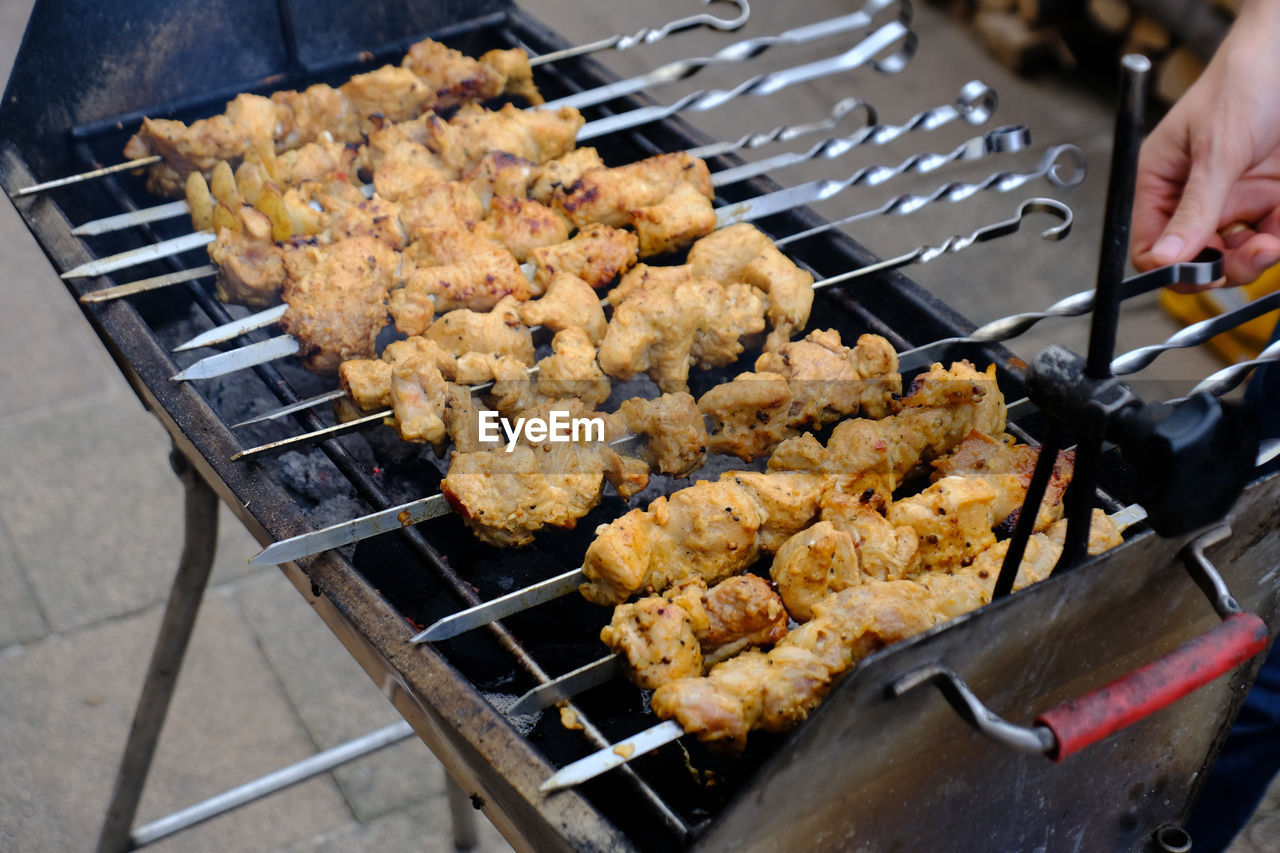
{"type": "Point", "coordinates": [1049, 167]}
{"type": "Point", "coordinates": [1204, 268]}
{"type": "Point", "coordinates": [737, 52]}
{"type": "Point", "coordinates": [975, 103]}
{"type": "Point", "coordinates": [1196, 333]}
{"type": "Point", "coordinates": [862, 53]}
{"type": "Point", "coordinates": [786, 132]}
{"type": "Point", "coordinates": [649, 35]}
{"type": "Point", "coordinates": [1224, 380]}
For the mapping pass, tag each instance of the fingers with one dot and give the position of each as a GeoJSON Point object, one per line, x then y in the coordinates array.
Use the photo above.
{"type": "Point", "coordinates": [1249, 254]}
{"type": "Point", "coordinates": [1194, 222]}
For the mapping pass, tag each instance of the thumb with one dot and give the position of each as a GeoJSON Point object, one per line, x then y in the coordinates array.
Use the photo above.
{"type": "Point", "coordinates": [1196, 220]}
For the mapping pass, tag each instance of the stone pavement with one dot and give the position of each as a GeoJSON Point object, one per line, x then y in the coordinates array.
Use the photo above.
{"type": "Point", "coordinates": [89, 518]}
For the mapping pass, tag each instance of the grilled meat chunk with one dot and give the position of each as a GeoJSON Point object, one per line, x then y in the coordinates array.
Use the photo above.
{"type": "Point", "coordinates": [337, 297]}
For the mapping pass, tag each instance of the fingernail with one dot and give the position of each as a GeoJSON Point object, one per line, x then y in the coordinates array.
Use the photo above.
{"type": "Point", "coordinates": [1167, 248]}
{"type": "Point", "coordinates": [1264, 261]}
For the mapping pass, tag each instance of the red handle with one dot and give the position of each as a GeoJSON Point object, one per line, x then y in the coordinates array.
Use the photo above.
{"type": "Point", "coordinates": [1080, 722]}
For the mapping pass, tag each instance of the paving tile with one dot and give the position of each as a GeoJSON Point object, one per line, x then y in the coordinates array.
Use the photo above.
{"type": "Point", "coordinates": [335, 699]}
{"type": "Point", "coordinates": [21, 619]}
{"type": "Point", "coordinates": [421, 826]}
{"type": "Point", "coordinates": [94, 510]}
{"type": "Point", "coordinates": [64, 715]}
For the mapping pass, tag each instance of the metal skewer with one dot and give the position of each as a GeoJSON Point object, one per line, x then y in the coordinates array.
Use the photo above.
{"type": "Point", "coordinates": [741, 51]}
{"type": "Point", "coordinates": [647, 35]}
{"type": "Point", "coordinates": [1205, 268]}
{"type": "Point", "coordinates": [1229, 377]}
{"type": "Point", "coordinates": [705, 100]}
{"type": "Point", "coordinates": [1196, 333]}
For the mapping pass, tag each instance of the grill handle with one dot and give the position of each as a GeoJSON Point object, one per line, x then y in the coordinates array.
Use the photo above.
{"type": "Point", "coordinates": [1074, 725]}
{"type": "Point", "coordinates": [1081, 722]}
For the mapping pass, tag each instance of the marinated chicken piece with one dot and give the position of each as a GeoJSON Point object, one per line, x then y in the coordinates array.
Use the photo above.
{"type": "Point", "coordinates": [504, 497]}
{"type": "Point", "coordinates": [418, 396]}
{"type": "Point", "coordinates": [562, 171]}
{"type": "Point", "coordinates": [814, 562]}
{"type": "Point", "coordinates": [306, 116]}
{"type": "Point", "coordinates": [569, 303]}
{"type": "Point", "coordinates": [830, 381]}
{"type": "Point", "coordinates": [375, 217]}
{"type": "Point", "coordinates": [571, 370]}
{"type": "Point", "coordinates": [885, 552]}
{"type": "Point", "coordinates": [805, 384]}
{"type": "Point", "coordinates": [678, 633]}
{"type": "Point", "coordinates": [609, 195]}
{"type": "Point", "coordinates": [473, 275]}
{"type": "Point", "coordinates": [725, 253]}
{"type": "Point", "coordinates": [875, 456]}
{"type": "Point", "coordinates": [709, 530]}
{"type": "Point", "coordinates": [498, 331]}
{"type": "Point", "coordinates": [749, 416]}
{"type": "Point", "coordinates": [521, 225]}
{"type": "Point", "coordinates": [454, 77]}
{"type": "Point", "coordinates": [512, 393]}
{"type": "Point", "coordinates": [953, 519]}
{"type": "Point", "coordinates": [314, 161]}
{"type": "Point", "coordinates": [666, 329]}
{"type": "Point", "coordinates": [396, 94]}
{"type": "Point", "coordinates": [512, 65]}
{"type": "Point", "coordinates": [432, 205]}
{"type": "Point", "coordinates": [743, 253]}
{"type": "Point", "coordinates": [337, 297]}
{"type": "Point", "coordinates": [461, 418]}
{"type": "Point", "coordinates": [596, 254]}
{"type": "Point", "coordinates": [677, 437]}
{"type": "Point", "coordinates": [681, 217]}
{"type": "Point", "coordinates": [1007, 466]}
{"type": "Point", "coordinates": [367, 382]}
{"type": "Point", "coordinates": [969, 588]}
{"type": "Point", "coordinates": [250, 264]}
{"type": "Point", "coordinates": [403, 166]}
{"type": "Point", "coordinates": [249, 120]}
{"type": "Point", "coordinates": [778, 690]}
{"type": "Point", "coordinates": [626, 474]}
{"type": "Point", "coordinates": [473, 132]}
{"type": "Point", "coordinates": [656, 639]}
{"type": "Point", "coordinates": [499, 174]}
{"type": "Point", "coordinates": [643, 277]}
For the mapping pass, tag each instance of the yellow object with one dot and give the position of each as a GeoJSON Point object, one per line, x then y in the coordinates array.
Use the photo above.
{"type": "Point", "coordinates": [1244, 341]}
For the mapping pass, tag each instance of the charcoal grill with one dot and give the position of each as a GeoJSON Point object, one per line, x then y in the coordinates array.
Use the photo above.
{"type": "Point", "coordinates": [907, 773]}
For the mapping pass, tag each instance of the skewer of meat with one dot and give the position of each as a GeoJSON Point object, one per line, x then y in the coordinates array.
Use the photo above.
{"type": "Point", "coordinates": [444, 78]}
{"type": "Point", "coordinates": [894, 38]}
{"type": "Point", "coordinates": [659, 638]}
{"type": "Point", "coordinates": [775, 691]}
{"type": "Point", "coordinates": [746, 514]}
{"type": "Point", "coordinates": [747, 417]}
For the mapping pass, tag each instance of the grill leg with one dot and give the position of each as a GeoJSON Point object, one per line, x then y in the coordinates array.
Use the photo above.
{"type": "Point", "coordinates": [166, 659]}
{"type": "Point", "coordinates": [463, 815]}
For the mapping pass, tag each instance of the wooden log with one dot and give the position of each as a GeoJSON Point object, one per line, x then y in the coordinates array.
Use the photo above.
{"type": "Point", "coordinates": [1008, 37]}
{"type": "Point", "coordinates": [1038, 13]}
{"type": "Point", "coordinates": [1148, 37]}
{"type": "Point", "coordinates": [1176, 73]}
{"type": "Point", "coordinates": [1112, 17]}
{"type": "Point", "coordinates": [1193, 23]}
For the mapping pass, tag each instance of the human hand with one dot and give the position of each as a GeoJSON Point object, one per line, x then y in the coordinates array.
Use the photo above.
{"type": "Point", "coordinates": [1209, 174]}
